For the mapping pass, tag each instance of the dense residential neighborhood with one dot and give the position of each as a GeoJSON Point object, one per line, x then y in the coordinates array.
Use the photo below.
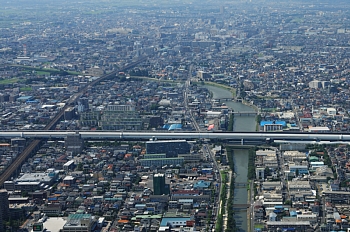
{"type": "Point", "coordinates": [167, 67]}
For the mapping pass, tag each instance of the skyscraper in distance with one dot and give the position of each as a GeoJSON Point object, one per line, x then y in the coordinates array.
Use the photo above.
{"type": "Point", "coordinates": [222, 9]}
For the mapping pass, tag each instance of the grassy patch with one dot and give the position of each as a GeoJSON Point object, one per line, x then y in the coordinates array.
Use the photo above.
{"type": "Point", "coordinates": [269, 110]}
{"type": "Point", "coordinates": [223, 175]}
{"type": "Point", "coordinates": [47, 71]}
{"type": "Point", "coordinates": [9, 81]}
{"type": "Point", "coordinates": [27, 88]}
{"type": "Point", "coordinates": [74, 73]}
{"type": "Point", "coordinates": [43, 73]}
{"type": "Point", "coordinates": [232, 90]}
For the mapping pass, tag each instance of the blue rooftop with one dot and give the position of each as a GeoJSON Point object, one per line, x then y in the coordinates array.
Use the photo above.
{"type": "Point", "coordinates": [166, 126]}
{"type": "Point", "coordinates": [32, 101]}
{"type": "Point", "coordinates": [293, 213]}
{"type": "Point", "coordinates": [201, 184]}
{"type": "Point", "coordinates": [283, 123]}
{"type": "Point", "coordinates": [167, 221]}
{"type": "Point", "coordinates": [140, 205]}
{"type": "Point", "coordinates": [175, 127]}
{"type": "Point", "coordinates": [53, 101]}
{"type": "Point", "coordinates": [24, 98]}
{"type": "Point", "coordinates": [170, 127]}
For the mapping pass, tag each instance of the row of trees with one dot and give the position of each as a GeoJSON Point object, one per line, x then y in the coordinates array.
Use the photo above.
{"type": "Point", "coordinates": [231, 222]}
{"type": "Point", "coordinates": [223, 196]}
{"type": "Point", "coordinates": [251, 165]}
{"type": "Point", "coordinates": [230, 123]}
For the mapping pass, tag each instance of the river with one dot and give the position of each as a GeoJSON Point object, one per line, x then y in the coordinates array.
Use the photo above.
{"type": "Point", "coordinates": [240, 156]}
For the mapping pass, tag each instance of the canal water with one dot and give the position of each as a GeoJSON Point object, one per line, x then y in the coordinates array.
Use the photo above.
{"type": "Point", "coordinates": [240, 156]}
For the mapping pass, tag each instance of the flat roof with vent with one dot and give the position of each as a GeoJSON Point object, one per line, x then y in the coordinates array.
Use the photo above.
{"type": "Point", "coordinates": [75, 220]}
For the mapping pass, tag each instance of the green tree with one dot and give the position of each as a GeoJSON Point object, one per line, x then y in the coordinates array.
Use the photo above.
{"type": "Point", "coordinates": [288, 202]}
{"type": "Point", "coordinates": [80, 167]}
{"type": "Point", "coordinates": [258, 118]}
{"type": "Point", "coordinates": [154, 107]}
{"type": "Point", "coordinates": [25, 193]}
{"type": "Point", "coordinates": [230, 123]}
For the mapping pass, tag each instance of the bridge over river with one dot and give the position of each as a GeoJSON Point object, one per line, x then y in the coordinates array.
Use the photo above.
{"type": "Point", "coordinates": [244, 113]}
{"type": "Point", "coordinates": [241, 184]}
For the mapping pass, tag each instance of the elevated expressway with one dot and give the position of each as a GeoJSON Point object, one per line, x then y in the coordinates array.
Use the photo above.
{"type": "Point", "coordinates": [142, 135]}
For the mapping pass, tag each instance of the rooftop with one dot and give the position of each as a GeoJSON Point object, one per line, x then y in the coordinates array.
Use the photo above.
{"type": "Point", "coordinates": [35, 177]}
{"type": "Point", "coordinates": [74, 220]}
{"type": "Point", "coordinates": [54, 224]}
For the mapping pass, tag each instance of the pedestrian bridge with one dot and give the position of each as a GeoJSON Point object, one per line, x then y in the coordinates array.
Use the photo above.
{"type": "Point", "coordinates": [228, 99]}
{"type": "Point", "coordinates": [224, 99]}
{"type": "Point", "coordinates": [241, 184]}
{"type": "Point", "coordinates": [244, 113]}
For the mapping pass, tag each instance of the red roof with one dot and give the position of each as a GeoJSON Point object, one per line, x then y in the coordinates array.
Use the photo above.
{"type": "Point", "coordinates": [211, 126]}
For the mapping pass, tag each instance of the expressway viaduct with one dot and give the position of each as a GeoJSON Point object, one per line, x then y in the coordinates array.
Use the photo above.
{"type": "Point", "coordinates": [158, 135]}
{"type": "Point", "coordinates": [241, 138]}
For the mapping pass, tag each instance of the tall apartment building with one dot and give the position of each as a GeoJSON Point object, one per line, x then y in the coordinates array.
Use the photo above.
{"type": "Point", "coordinates": [69, 113]}
{"type": "Point", "coordinates": [159, 186]}
{"type": "Point", "coordinates": [18, 144]}
{"type": "Point", "coordinates": [120, 117]}
{"type": "Point", "coordinates": [74, 143]}
{"type": "Point", "coordinates": [170, 147]}
{"type": "Point", "coordinates": [90, 118]}
{"type": "Point", "coordinates": [315, 84]}
{"type": "Point", "coordinates": [4, 97]}
{"type": "Point", "coordinates": [83, 104]}
{"type": "Point", "coordinates": [4, 207]}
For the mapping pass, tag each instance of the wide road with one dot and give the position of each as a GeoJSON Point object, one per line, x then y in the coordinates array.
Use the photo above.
{"type": "Point", "coordinates": [252, 205]}
{"type": "Point", "coordinates": [35, 143]}
{"type": "Point", "coordinates": [217, 174]}
{"type": "Point", "coordinates": [145, 135]}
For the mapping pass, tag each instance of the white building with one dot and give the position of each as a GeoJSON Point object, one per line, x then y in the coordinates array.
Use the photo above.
{"type": "Point", "coordinates": [331, 111]}
{"type": "Point", "coordinates": [78, 223]}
